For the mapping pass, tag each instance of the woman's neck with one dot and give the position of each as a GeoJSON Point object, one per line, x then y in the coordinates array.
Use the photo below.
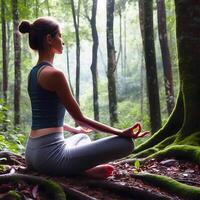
{"type": "Point", "coordinates": [45, 56]}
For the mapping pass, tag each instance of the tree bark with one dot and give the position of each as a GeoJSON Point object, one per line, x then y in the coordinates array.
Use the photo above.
{"type": "Point", "coordinates": [111, 64]}
{"type": "Point", "coordinates": [76, 27]}
{"type": "Point", "coordinates": [68, 72]}
{"type": "Point", "coordinates": [94, 60]}
{"type": "Point", "coordinates": [167, 67]}
{"type": "Point", "coordinates": [151, 71]}
{"type": "Point", "coordinates": [188, 43]}
{"type": "Point", "coordinates": [36, 8]}
{"type": "Point", "coordinates": [4, 52]}
{"type": "Point", "coordinates": [125, 56]}
{"type": "Point", "coordinates": [48, 8]}
{"type": "Point", "coordinates": [17, 63]}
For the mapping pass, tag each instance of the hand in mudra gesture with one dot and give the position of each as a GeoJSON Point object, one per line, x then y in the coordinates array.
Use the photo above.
{"type": "Point", "coordinates": [134, 131]}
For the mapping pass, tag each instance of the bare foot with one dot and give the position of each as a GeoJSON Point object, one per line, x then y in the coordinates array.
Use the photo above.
{"type": "Point", "coordinates": [100, 171]}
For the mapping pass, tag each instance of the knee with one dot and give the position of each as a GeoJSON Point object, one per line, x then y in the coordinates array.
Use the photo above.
{"type": "Point", "coordinates": [84, 137]}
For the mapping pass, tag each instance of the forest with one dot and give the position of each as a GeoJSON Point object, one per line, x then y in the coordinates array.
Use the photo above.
{"type": "Point", "coordinates": [126, 61]}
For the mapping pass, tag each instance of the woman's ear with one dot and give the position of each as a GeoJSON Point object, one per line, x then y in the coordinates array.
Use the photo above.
{"type": "Point", "coordinates": [49, 39]}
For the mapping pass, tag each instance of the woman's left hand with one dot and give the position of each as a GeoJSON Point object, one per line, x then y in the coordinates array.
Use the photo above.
{"type": "Point", "coordinates": [134, 131]}
{"type": "Point", "coordinates": [81, 129]}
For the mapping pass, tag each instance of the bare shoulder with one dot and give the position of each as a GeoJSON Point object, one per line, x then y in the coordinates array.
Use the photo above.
{"type": "Point", "coordinates": [51, 72]}
{"type": "Point", "coordinates": [49, 77]}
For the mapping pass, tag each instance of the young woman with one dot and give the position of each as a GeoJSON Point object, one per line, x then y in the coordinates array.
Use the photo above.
{"type": "Point", "coordinates": [47, 150]}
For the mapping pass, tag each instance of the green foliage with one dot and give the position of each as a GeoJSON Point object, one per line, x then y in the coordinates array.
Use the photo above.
{"type": "Point", "coordinates": [11, 139]}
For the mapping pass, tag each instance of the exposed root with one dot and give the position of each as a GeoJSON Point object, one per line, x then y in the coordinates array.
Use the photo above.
{"type": "Point", "coordinates": [171, 186]}
{"type": "Point", "coordinates": [187, 152]}
{"type": "Point", "coordinates": [55, 190]}
{"type": "Point", "coordinates": [11, 158]}
{"type": "Point", "coordinates": [156, 148]}
{"type": "Point", "coordinates": [76, 194]}
{"type": "Point", "coordinates": [128, 191]}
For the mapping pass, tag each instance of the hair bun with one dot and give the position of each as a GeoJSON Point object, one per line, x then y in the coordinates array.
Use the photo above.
{"type": "Point", "coordinates": [25, 26]}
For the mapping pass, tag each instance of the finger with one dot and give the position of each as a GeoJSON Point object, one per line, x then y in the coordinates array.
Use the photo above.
{"type": "Point", "coordinates": [143, 134]}
{"type": "Point", "coordinates": [136, 126]}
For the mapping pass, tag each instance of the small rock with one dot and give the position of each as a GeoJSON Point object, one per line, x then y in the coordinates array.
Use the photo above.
{"type": "Point", "coordinates": [168, 162]}
{"type": "Point", "coordinates": [189, 171]}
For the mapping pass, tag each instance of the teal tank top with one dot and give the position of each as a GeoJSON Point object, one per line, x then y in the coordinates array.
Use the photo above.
{"type": "Point", "coordinates": [47, 110]}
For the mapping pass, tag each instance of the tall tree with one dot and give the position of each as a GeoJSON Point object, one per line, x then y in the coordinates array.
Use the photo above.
{"type": "Point", "coordinates": [141, 20]}
{"type": "Point", "coordinates": [125, 70]}
{"type": "Point", "coordinates": [68, 71]}
{"type": "Point", "coordinates": [17, 62]}
{"type": "Point", "coordinates": [111, 63]}
{"type": "Point", "coordinates": [48, 7]}
{"type": "Point", "coordinates": [93, 66]}
{"type": "Point", "coordinates": [76, 27]}
{"type": "Point", "coordinates": [167, 67]}
{"type": "Point", "coordinates": [151, 71]}
{"type": "Point", "coordinates": [119, 9]}
{"type": "Point", "coordinates": [36, 8]}
{"type": "Point", "coordinates": [180, 136]}
{"type": "Point", "coordinates": [4, 52]}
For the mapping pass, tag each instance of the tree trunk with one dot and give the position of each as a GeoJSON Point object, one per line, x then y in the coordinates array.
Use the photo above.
{"type": "Point", "coordinates": [151, 71]}
{"type": "Point", "coordinates": [141, 19]}
{"type": "Point", "coordinates": [120, 41]}
{"type": "Point", "coordinates": [68, 72]}
{"type": "Point", "coordinates": [111, 64]}
{"type": "Point", "coordinates": [94, 60]}
{"type": "Point", "coordinates": [167, 67]}
{"type": "Point", "coordinates": [17, 63]}
{"type": "Point", "coordinates": [76, 26]}
{"type": "Point", "coordinates": [125, 56]}
{"type": "Point", "coordinates": [142, 86]}
{"type": "Point", "coordinates": [4, 52]}
{"type": "Point", "coordinates": [48, 8]}
{"type": "Point", "coordinates": [8, 41]}
{"type": "Point", "coordinates": [36, 8]}
{"type": "Point", "coordinates": [188, 32]}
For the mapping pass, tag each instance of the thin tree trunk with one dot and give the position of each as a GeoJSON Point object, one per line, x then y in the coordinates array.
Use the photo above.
{"type": "Point", "coordinates": [68, 72]}
{"type": "Point", "coordinates": [121, 47]}
{"type": "Point", "coordinates": [94, 60]}
{"type": "Point", "coordinates": [8, 42]}
{"type": "Point", "coordinates": [48, 7]}
{"type": "Point", "coordinates": [125, 56]}
{"type": "Point", "coordinates": [17, 63]}
{"type": "Point", "coordinates": [151, 71]}
{"type": "Point", "coordinates": [167, 67]}
{"type": "Point", "coordinates": [111, 64]}
{"type": "Point", "coordinates": [142, 86]}
{"type": "Point", "coordinates": [120, 40]}
{"type": "Point", "coordinates": [4, 52]}
{"type": "Point", "coordinates": [76, 26]}
{"type": "Point", "coordinates": [141, 19]}
{"type": "Point", "coordinates": [36, 8]}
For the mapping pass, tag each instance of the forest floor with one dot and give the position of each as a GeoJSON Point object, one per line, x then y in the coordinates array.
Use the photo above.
{"type": "Point", "coordinates": [121, 186]}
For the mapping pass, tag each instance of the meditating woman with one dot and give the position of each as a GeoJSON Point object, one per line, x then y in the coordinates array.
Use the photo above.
{"type": "Point", "coordinates": [47, 150]}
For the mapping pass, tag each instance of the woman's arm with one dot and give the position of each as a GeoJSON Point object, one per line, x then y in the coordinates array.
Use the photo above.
{"type": "Point", "coordinates": [55, 80]}
{"type": "Point", "coordinates": [76, 130]}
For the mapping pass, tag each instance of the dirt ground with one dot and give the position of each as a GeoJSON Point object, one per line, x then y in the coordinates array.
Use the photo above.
{"type": "Point", "coordinates": [122, 185]}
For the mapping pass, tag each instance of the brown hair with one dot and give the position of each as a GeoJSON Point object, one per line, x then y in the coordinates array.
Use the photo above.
{"type": "Point", "coordinates": [38, 30]}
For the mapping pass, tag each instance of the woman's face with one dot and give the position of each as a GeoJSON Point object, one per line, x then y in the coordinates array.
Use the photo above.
{"type": "Point", "coordinates": [57, 43]}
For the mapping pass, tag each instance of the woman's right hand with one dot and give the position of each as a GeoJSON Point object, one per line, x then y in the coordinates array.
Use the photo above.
{"type": "Point", "coordinates": [134, 131]}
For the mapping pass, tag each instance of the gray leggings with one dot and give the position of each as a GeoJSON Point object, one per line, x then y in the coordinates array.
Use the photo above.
{"type": "Point", "coordinates": [53, 154]}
